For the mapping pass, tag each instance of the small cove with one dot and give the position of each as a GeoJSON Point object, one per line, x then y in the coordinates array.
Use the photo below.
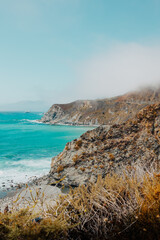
{"type": "Point", "coordinates": [26, 147]}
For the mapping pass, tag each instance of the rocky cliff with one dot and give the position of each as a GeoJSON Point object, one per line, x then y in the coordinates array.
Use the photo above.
{"type": "Point", "coordinates": [107, 149]}
{"type": "Point", "coordinates": [98, 112]}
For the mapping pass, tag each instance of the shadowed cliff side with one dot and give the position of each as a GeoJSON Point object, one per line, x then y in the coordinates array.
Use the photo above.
{"type": "Point", "coordinates": [104, 149]}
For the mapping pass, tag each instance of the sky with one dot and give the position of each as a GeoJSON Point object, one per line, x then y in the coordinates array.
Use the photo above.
{"type": "Point", "coordinates": [58, 51]}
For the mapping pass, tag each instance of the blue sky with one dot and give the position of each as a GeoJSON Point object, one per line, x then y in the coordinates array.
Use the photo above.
{"type": "Point", "coordinates": [63, 50]}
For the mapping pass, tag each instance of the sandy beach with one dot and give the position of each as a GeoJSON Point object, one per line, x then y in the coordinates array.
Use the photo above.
{"type": "Point", "coordinates": [37, 196]}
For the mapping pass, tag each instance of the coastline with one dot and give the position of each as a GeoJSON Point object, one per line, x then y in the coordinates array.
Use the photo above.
{"type": "Point", "coordinates": [109, 201]}
{"type": "Point", "coordinates": [68, 124]}
{"type": "Point", "coordinates": [27, 147]}
{"type": "Point", "coordinates": [10, 195]}
{"type": "Point", "coordinates": [34, 181]}
{"type": "Point", "coordinates": [11, 191]}
{"type": "Point", "coordinates": [32, 193]}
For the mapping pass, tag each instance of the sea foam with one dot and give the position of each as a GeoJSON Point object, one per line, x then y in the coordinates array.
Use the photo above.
{"type": "Point", "coordinates": [23, 171]}
{"type": "Point", "coordinates": [27, 146]}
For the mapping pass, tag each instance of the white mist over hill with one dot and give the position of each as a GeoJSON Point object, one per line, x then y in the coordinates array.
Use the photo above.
{"type": "Point", "coordinates": [122, 68]}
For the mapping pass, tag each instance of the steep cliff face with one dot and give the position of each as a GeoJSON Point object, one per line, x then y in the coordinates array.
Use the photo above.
{"type": "Point", "coordinates": [107, 149]}
{"type": "Point", "coordinates": [101, 112]}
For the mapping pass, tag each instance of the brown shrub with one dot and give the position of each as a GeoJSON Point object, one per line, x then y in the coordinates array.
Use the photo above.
{"type": "Point", "coordinates": [101, 166]}
{"type": "Point", "coordinates": [75, 158]}
{"type": "Point", "coordinates": [66, 147]}
{"type": "Point", "coordinates": [60, 168]}
{"type": "Point", "coordinates": [82, 169]}
{"type": "Point", "coordinates": [111, 156]}
{"type": "Point", "coordinates": [78, 144]}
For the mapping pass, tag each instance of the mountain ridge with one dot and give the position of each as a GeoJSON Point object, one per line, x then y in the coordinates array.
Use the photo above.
{"type": "Point", "coordinates": [102, 111]}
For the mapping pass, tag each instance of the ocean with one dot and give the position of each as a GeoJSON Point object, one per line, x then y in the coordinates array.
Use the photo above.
{"type": "Point", "coordinates": [26, 147]}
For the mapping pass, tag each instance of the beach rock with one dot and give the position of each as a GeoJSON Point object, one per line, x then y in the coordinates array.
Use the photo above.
{"type": "Point", "coordinates": [106, 149]}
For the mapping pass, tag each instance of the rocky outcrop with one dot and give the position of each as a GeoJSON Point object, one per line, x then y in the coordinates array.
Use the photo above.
{"type": "Point", "coordinates": [101, 112]}
{"type": "Point", "coordinates": [107, 149]}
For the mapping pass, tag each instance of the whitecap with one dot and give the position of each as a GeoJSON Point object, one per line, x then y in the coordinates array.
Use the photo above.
{"type": "Point", "coordinates": [29, 120]}
{"type": "Point", "coordinates": [23, 171]}
{"type": "Point", "coordinates": [33, 121]}
{"type": "Point", "coordinates": [39, 163]}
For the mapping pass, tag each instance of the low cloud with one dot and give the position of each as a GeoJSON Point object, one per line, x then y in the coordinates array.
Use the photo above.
{"type": "Point", "coordinates": [125, 67]}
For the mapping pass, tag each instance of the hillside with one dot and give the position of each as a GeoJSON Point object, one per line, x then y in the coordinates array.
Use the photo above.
{"type": "Point", "coordinates": [119, 166]}
{"type": "Point", "coordinates": [103, 150]}
{"type": "Point", "coordinates": [101, 112]}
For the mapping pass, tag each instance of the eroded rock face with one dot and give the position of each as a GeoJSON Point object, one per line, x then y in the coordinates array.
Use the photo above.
{"type": "Point", "coordinates": [107, 149]}
{"type": "Point", "coordinates": [101, 112]}
{"type": "Point", "coordinates": [55, 113]}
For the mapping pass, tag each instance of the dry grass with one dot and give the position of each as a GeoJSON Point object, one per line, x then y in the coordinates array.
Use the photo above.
{"type": "Point", "coordinates": [82, 169]}
{"type": "Point", "coordinates": [75, 158]}
{"type": "Point", "coordinates": [60, 168]}
{"type": "Point", "coordinates": [125, 206]}
{"type": "Point", "coordinates": [111, 156]}
{"type": "Point", "coordinates": [78, 144]}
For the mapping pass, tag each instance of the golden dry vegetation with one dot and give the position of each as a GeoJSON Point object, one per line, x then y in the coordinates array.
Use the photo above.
{"type": "Point", "coordinates": [60, 168]}
{"type": "Point", "coordinates": [75, 158]}
{"type": "Point", "coordinates": [78, 144]}
{"type": "Point", "coordinates": [125, 206]}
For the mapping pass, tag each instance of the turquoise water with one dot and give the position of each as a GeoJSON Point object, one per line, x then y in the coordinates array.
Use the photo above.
{"type": "Point", "coordinates": [26, 147]}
